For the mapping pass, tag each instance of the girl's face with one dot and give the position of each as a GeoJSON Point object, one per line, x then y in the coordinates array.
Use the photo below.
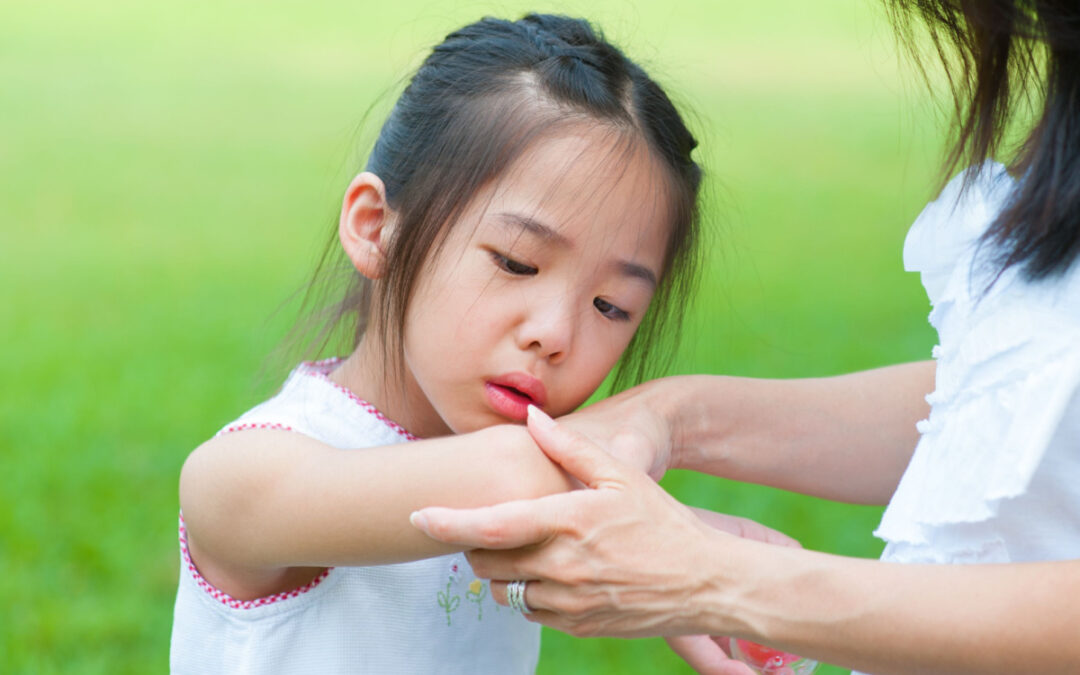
{"type": "Point", "coordinates": [539, 286]}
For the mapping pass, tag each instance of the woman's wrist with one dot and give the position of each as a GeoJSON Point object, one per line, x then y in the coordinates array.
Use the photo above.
{"type": "Point", "coordinates": [686, 407]}
{"type": "Point", "coordinates": [801, 602]}
{"type": "Point", "coordinates": [660, 405]}
{"type": "Point", "coordinates": [754, 590]}
{"type": "Point", "coordinates": [726, 574]}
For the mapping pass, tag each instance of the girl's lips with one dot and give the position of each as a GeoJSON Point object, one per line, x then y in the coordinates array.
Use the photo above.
{"type": "Point", "coordinates": [510, 395]}
{"type": "Point", "coordinates": [507, 402]}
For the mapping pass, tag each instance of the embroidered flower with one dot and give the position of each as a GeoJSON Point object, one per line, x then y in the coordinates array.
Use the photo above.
{"type": "Point", "coordinates": [448, 601]}
{"type": "Point", "coordinates": [476, 594]}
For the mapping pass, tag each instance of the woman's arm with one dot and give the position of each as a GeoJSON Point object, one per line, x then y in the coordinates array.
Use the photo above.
{"type": "Point", "coordinates": [623, 558]}
{"type": "Point", "coordinates": [846, 438]}
{"type": "Point", "coordinates": [888, 618]}
{"type": "Point", "coordinates": [265, 510]}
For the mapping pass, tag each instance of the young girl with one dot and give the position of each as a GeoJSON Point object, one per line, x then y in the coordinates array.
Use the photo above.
{"type": "Point", "coordinates": [525, 219]}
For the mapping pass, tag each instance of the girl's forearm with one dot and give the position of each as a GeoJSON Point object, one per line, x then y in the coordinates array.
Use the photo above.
{"type": "Point", "coordinates": [846, 438]}
{"type": "Point", "coordinates": [273, 499]}
{"type": "Point", "coordinates": [887, 618]}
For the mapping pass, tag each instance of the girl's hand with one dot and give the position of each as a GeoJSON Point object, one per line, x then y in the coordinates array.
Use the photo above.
{"type": "Point", "coordinates": [621, 558]}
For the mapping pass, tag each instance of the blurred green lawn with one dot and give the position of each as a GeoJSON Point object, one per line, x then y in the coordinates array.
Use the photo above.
{"type": "Point", "coordinates": [169, 171]}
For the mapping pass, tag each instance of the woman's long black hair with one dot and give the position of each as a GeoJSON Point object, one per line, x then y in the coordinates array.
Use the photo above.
{"type": "Point", "coordinates": [1000, 55]}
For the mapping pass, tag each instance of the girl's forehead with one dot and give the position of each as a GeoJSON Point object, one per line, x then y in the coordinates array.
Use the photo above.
{"type": "Point", "coordinates": [595, 172]}
{"type": "Point", "coordinates": [601, 151]}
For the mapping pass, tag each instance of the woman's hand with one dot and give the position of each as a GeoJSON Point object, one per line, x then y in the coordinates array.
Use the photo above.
{"type": "Point", "coordinates": [708, 654]}
{"type": "Point", "coordinates": [631, 426]}
{"type": "Point", "coordinates": [705, 655]}
{"type": "Point", "coordinates": [621, 558]}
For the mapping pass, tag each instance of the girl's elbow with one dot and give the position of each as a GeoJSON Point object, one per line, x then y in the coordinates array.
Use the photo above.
{"type": "Point", "coordinates": [196, 481]}
{"type": "Point", "coordinates": [209, 499]}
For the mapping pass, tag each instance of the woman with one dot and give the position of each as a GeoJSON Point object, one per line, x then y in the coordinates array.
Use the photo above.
{"type": "Point", "coordinates": [977, 453]}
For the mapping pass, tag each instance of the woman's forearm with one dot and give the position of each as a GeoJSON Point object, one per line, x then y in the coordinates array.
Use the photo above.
{"type": "Point", "coordinates": [623, 558]}
{"type": "Point", "coordinates": [845, 438]}
{"type": "Point", "coordinates": [887, 618]}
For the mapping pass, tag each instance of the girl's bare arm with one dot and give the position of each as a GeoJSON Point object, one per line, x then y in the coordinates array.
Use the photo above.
{"type": "Point", "coordinates": [266, 510]}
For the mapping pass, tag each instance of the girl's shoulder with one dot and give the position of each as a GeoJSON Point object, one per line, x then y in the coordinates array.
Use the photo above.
{"type": "Point", "coordinates": [312, 404]}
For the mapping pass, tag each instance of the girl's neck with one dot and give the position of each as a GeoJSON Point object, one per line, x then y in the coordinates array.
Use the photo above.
{"type": "Point", "coordinates": [367, 373]}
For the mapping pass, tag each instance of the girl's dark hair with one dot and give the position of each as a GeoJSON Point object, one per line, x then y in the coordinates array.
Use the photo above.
{"type": "Point", "coordinates": [475, 104]}
{"type": "Point", "coordinates": [998, 55]}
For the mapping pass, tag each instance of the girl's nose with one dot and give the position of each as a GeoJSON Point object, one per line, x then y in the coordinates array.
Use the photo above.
{"type": "Point", "coordinates": [548, 328]}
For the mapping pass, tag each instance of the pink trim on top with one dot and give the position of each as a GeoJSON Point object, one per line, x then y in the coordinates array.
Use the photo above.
{"type": "Point", "coordinates": [317, 369]}
{"type": "Point", "coordinates": [320, 370]}
{"type": "Point", "coordinates": [229, 601]}
{"type": "Point", "coordinates": [254, 425]}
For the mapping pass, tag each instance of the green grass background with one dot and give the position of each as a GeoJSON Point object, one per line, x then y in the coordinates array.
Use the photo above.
{"type": "Point", "coordinates": [169, 171]}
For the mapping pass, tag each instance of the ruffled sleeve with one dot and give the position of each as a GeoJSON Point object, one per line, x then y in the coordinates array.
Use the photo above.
{"type": "Point", "coordinates": [950, 225]}
{"type": "Point", "coordinates": [996, 414]}
{"type": "Point", "coordinates": [1007, 390]}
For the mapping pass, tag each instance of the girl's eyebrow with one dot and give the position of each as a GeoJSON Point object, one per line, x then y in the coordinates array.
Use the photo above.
{"type": "Point", "coordinates": [637, 271]}
{"type": "Point", "coordinates": [548, 234]}
{"type": "Point", "coordinates": [536, 228]}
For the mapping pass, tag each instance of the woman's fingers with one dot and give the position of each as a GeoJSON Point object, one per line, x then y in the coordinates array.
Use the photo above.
{"type": "Point", "coordinates": [744, 527]}
{"type": "Point", "coordinates": [625, 538]}
{"type": "Point", "coordinates": [502, 526]}
{"type": "Point", "coordinates": [533, 591]}
{"type": "Point", "coordinates": [575, 453]}
{"type": "Point", "coordinates": [520, 523]}
{"type": "Point", "coordinates": [704, 655]}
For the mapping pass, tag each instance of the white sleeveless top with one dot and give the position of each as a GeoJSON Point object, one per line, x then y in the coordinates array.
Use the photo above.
{"type": "Point", "coordinates": [995, 476]}
{"type": "Point", "coordinates": [426, 616]}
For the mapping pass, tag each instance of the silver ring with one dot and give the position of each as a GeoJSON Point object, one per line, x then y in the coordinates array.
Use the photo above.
{"type": "Point", "coordinates": [515, 596]}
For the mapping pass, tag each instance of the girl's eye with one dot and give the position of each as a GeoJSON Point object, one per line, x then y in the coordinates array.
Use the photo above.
{"type": "Point", "coordinates": [512, 266]}
{"type": "Point", "coordinates": [609, 310]}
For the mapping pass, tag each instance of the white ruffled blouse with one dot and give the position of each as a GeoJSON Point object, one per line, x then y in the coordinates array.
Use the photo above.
{"type": "Point", "coordinates": [996, 474]}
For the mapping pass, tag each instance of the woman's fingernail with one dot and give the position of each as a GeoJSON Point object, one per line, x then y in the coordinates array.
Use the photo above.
{"type": "Point", "coordinates": [418, 520]}
{"type": "Point", "coordinates": [540, 419]}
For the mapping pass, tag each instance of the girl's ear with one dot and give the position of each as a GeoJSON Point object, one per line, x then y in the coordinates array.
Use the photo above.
{"type": "Point", "coordinates": [366, 224]}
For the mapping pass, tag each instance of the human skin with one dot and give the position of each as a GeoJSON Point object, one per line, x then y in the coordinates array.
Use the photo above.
{"type": "Point", "coordinates": [542, 283]}
{"type": "Point", "coordinates": [543, 280]}
{"type": "Point", "coordinates": [846, 438]}
{"type": "Point", "coordinates": [625, 559]}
